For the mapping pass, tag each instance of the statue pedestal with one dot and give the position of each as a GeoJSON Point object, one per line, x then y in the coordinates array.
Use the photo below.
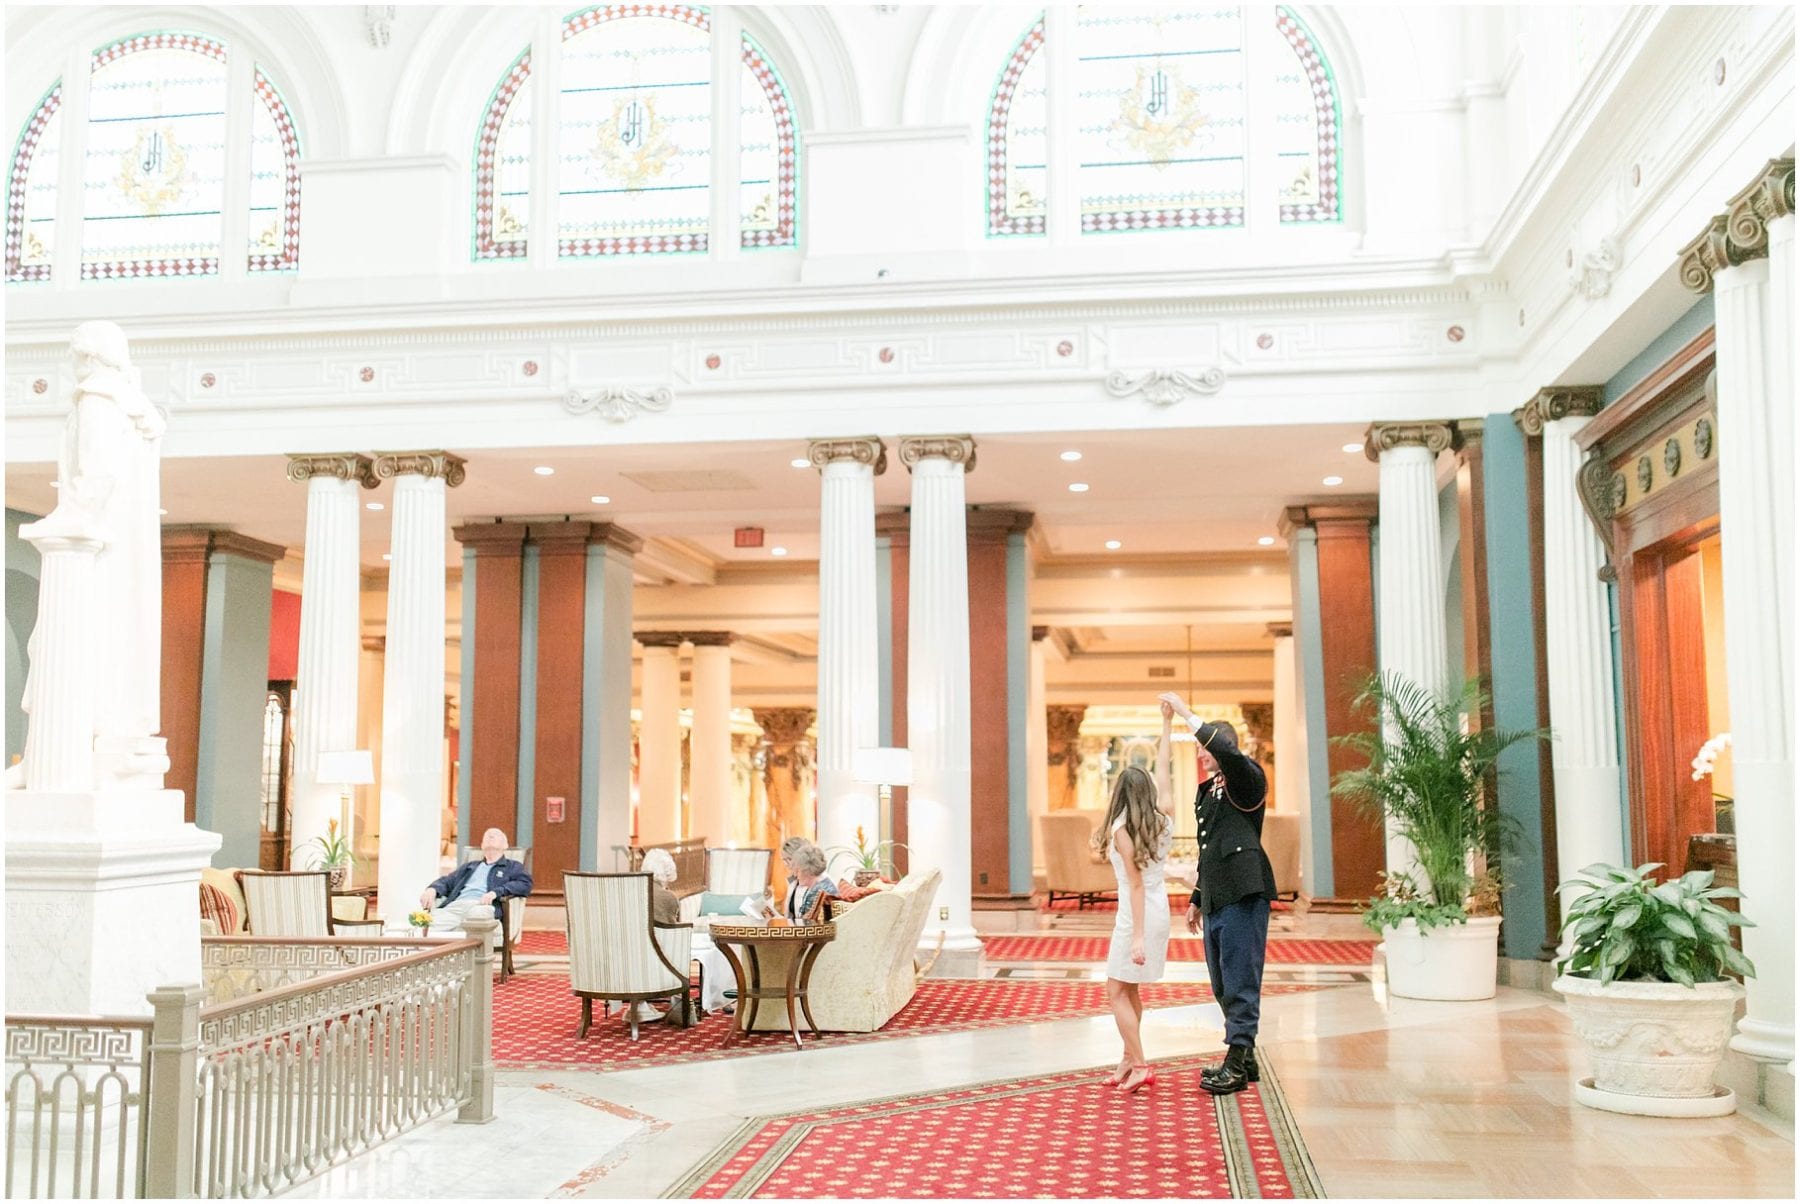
{"type": "Point", "coordinates": [102, 899]}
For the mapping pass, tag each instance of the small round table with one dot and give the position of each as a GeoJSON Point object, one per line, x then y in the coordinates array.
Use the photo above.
{"type": "Point", "coordinates": [805, 939]}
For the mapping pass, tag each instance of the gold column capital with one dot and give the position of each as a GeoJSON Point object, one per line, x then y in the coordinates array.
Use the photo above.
{"type": "Point", "coordinates": [958, 449]}
{"type": "Point", "coordinates": [1557, 401]}
{"type": "Point", "coordinates": [428, 464]}
{"type": "Point", "coordinates": [1769, 196]}
{"type": "Point", "coordinates": [345, 466]}
{"type": "Point", "coordinates": [1434, 437]}
{"type": "Point", "coordinates": [864, 449]}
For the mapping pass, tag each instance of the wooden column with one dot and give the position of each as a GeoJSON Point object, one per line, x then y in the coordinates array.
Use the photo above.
{"type": "Point", "coordinates": [185, 550]}
{"type": "Point", "coordinates": [896, 527]}
{"type": "Point", "coordinates": [992, 685]}
{"type": "Point", "coordinates": [561, 629]}
{"type": "Point", "coordinates": [1347, 639]}
{"type": "Point", "coordinates": [490, 711]}
{"type": "Point", "coordinates": [1471, 505]}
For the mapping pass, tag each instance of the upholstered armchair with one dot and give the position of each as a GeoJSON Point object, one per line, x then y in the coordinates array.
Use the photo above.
{"type": "Point", "coordinates": [689, 857]}
{"type": "Point", "coordinates": [1281, 841]}
{"type": "Point", "coordinates": [617, 952]}
{"type": "Point", "coordinates": [297, 903]}
{"type": "Point", "coordinates": [512, 908]}
{"type": "Point", "coordinates": [1071, 867]}
{"type": "Point", "coordinates": [731, 872]}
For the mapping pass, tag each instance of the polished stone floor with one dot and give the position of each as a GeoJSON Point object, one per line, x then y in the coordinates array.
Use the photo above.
{"type": "Point", "coordinates": [1395, 1098]}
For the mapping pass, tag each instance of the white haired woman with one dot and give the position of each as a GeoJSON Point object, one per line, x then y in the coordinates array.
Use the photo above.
{"type": "Point", "coordinates": [664, 909]}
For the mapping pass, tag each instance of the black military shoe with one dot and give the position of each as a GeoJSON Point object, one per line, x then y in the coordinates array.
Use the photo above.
{"type": "Point", "coordinates": [1232, 1076]}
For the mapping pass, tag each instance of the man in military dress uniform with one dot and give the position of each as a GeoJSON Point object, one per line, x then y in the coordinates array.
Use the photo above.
{"type": "Point", "coordinates": [1232, 897]}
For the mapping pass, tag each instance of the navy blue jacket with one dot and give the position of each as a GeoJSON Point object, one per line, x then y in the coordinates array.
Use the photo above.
{"type": "Point", "coordinates": [506, 878]}
{"type": "Point", "coordinates": [1228, 815]}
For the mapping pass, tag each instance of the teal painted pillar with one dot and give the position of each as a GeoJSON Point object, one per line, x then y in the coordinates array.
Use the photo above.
{"type": "Point", "coordinates": [1507, 490]}
{"type": "Point", "coordinates": [234, 684]}
{"type": "Point", "coordinates": [22, 575]}
{"type": "Point", "coordinates": [606, 697]}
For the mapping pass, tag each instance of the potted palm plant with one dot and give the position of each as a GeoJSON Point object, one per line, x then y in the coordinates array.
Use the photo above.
{"type": "Point", "coordinates": [1427, 774]}
{"type": "Point", "coordinates": [1647, 980]}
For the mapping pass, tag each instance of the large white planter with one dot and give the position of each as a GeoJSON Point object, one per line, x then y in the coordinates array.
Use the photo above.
{"type": "Point", "coordinates": [1653, 1046]}
{"type": "Point", "coordinates": [1451, 961]}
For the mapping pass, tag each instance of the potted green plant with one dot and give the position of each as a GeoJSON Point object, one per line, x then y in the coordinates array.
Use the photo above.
{"type": "Point", "coordinates": [1648, 983]}
{"type": "Point", "coordinates": [872, 861]}
{"type": "Point", "coordinates": [1426, 777]}
{"type": "Point", "coordinates": [331, 853]}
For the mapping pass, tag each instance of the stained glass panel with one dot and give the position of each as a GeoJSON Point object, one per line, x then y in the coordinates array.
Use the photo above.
{"type": "Point", "coordinates": [1160, 117]}
{"type": "Point", "coordinates": [766, 173]}
{"type": "Point", "coordinates": [634, 136]}
{"type": "Point", "coordinates": [1306, 125]}
{"type": "Point", "coordinates": [154, 167]}
{"type": "Point", "coordinates": [274, 229]}
{"type": "Point", "coordinates": [503, 168]}
{"type": "Point", "coordinates": [31, 192]}
{"type": "Point", "coordinates": [1018, 140]}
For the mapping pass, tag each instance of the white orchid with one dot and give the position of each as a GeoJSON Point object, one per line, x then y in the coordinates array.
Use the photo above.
{"type": "Point", "coordinates": [1709, 753]}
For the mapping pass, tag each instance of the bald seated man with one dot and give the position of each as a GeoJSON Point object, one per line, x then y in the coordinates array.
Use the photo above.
{"type": "Point", "coordinates": [469, 888]}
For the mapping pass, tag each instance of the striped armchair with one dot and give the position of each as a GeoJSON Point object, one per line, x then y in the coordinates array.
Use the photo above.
{"type": "Point", "coordinates": [617, 952]}
{"type": "Point", "coordinates": [296, 903]}
{"type": "Point", "coordinates": [512, 907]}
{"type": "Point", "coordinates": [738, 871]}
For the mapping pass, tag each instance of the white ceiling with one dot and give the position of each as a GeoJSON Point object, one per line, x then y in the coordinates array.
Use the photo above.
{"type": "Point", "coordinates": [1168, 492]}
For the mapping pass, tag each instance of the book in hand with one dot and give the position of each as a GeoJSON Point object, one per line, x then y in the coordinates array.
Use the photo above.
{"type": "Point", "coordinates": [758, 907]}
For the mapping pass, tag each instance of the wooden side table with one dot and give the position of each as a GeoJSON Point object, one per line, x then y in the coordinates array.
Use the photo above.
{"type": "Point", "coordinates": [809, 940]}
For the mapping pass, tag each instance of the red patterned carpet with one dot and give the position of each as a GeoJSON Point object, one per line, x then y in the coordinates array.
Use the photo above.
{"type": "Point", "coordinates": [1065, 1136]}
{"type": "Point", "coordinates": [1054, 948]}
{"type": "Point", "coordinates": [535, 1020]}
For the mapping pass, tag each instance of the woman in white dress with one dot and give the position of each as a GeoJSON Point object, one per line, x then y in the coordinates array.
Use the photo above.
{"type": "Point", "coordinates": [1136, 835]}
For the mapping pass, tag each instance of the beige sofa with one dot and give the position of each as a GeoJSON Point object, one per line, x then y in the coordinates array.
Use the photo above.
{"type": "Point", "coordinates": [865, 975]}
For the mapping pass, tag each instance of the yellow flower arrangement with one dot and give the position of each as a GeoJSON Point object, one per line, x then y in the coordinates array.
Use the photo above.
{"type": "Point", "coordinates": [419, 919]}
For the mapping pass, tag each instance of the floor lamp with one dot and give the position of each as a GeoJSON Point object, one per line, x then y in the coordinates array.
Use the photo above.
{"type": "Point", "coordinates": [886, 768]}
{"type": "Point", "coordinates": [346, 770]}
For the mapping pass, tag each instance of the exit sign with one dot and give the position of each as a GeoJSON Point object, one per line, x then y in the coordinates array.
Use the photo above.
{"type": "Point", "coordinates": [748, 537]}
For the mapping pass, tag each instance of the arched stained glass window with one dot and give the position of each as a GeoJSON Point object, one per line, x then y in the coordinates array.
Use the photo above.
{"type": "Point", "coordinates": [31, 191]}
{"type": "Point", "coordinates": [153, 162]}
{"type": "Point", "coordinates": [1018, 151]}
{"type": "Point", "coordinates": [1307, 126]}
{"type": "Point", "coordinates": [635, 138]}
{"type": "Point", "coordinates": [1177, 118]}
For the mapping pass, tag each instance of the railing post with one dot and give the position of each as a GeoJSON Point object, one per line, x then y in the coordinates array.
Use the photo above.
{"type": "Point", "coordinates": [170, 1092]}
{"type": "Point", "coordinates": [478, 1045]}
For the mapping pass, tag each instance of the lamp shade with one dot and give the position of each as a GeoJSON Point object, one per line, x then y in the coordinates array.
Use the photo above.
{"type": "Point", "coordinates": [353, 768]}
{"type": "Point", "coordinates": [882, 766]}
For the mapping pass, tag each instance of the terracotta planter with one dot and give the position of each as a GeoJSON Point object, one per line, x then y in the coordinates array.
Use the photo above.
{"type": "Point", "coordinates": [1658, 1043]}
{"type": "Point", "coordinates": [1451, 961]}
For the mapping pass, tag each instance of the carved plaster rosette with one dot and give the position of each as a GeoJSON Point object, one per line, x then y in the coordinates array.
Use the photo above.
{"type": "Point", "coordinates": [347, 466]}
{"type": "Point", "coordinates": [1434, 437]}
{"type": "Point", "coordinates": [1166, 386]}
{"type": "Point", "coordinates": [863, 450]}
{"type": "Point", "coordinates": [427, 464]}
{"type": "Point", "coordinates": [958, 449]}
{"type": "Point", "coordinates": [1557, 401]}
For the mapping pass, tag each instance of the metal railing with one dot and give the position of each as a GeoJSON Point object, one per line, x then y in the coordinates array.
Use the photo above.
{"type": "Point", "coordinates": [308, 1053]}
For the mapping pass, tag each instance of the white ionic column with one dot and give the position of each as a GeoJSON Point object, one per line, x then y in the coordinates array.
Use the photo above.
{"type": "Point", "coordinates": [710, 790]}
{"type": "Point", "coordinates": [1584, 751]}
{"type": "Point", "coordinates": [412, 692]}
{"type": "Point", "coordinates": [849, 664]}
{"type": "Point", "coordinates": [330, 639]}
{"type": "Point", "coordinates": [59, 683]}
{"type": "Point", "coordinates": [659, 740]}
{"type": "Point", "coordinates": [937, 687]}
{"type": "Point", "coordinates": [1409, 594]}
{"type": "Point", "coordinates": [1037, 749]}
{"type": "Point", "coordinates": [1292, 797]}
{"type": "Point", "coordinates": [1736, 257]}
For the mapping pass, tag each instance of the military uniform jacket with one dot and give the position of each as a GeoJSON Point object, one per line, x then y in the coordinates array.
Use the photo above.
{"type": "Point", "coordinates": [1228, 818]}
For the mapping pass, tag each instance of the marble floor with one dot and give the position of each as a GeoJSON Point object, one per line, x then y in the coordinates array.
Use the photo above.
{"type": "Point", "coordinates": [1395, 1098]}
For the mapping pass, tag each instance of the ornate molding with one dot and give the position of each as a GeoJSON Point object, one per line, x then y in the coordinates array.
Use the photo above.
{"type": "Point", "coordinates": [1592, 275]}
{"type": "Point", "coordinates": [783, 725]}
{"type": "Point", "coordinates": [345, 466]}
{"type": "Point", "coordinates": [866, 449]}
{"type": "Point", "coordinates": [1602, 492]}
{"type": "Point", "coordinates": [1557, 401]}
{"type": "Point", "coordinates": [1748, 215]}
{"type": "Point", "coordinates": [426, 464]}
{"type": "Point", "coordinates": [619, 403]}
{"type": "Point", "coordinates": [958, 449]}
{"type": "Point", "coordinates": [379, 19]}
{"type": "Point", "coordinates": [1434, 437]}
{"type": "Point", "coordinates": [1166, 386]}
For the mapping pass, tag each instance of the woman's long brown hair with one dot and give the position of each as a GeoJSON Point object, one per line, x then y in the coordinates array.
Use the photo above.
{"type": "Point", "coordinates": [1135, 798]}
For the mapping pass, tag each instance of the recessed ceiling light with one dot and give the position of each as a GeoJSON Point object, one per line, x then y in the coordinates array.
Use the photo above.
{"type": "Point", "coordinates": [387, 555]}
{"type": "Point", "coordinates": [1334, 480]}
{"type": "Point", "coordinates": [543, 470]}
{"type": "Point", "coordinates": [1071, 456]}
{"type": "Point", "coordinates": [778, 551]}
{"type": "Point", "coordinates": [799, 462]}
{"type": "Point", "coordinates": [374, 506]}
{"type": "Point", "coordinates": [1113, 545]}
{"type": "Point", "coordinates": [600, 499]}
{"type": "Point", "coordinates": [1353, 447]}
{"type": "Point", "coordinates": [1266, 540]}
{"type": "Point", "coordinates": [1078, 487]}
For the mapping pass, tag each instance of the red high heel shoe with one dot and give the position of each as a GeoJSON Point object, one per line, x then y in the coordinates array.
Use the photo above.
{"type": "Point", "coordinates": [1132, 1088]}
{"type": "Point", "coordinates": [1121, 1074]}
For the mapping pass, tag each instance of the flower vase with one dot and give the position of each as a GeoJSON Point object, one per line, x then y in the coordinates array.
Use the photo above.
{"type": "Point", "coordinates": [337, 875]}
{"type": "Point", "coordinates": [864, 877]}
